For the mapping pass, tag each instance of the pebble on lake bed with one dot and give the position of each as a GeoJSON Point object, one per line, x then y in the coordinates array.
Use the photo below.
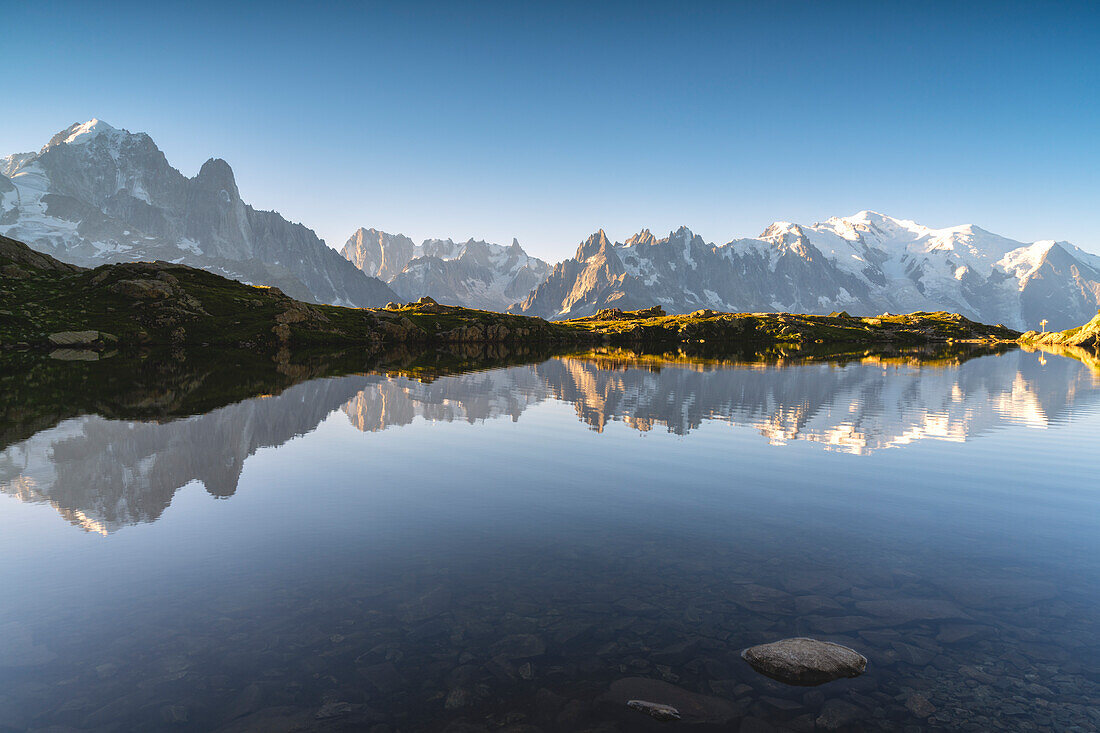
{"type": "Point", "coordinates": [654, 709]}
{"type": "Point", "coordinates": [690, 708]}
{"type": "Point", "coordinates": [802, 661]}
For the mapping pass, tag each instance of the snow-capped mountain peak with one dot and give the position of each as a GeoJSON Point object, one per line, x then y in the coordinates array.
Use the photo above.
{"type": "Point", "coordinates": [96, 194]}
{"type": "Point", "coordinates": [874, 220]}
{"type": "Point", "coordinates": [865, 264]}
{"type": "Point", "coordinates": [1024, 261]}
{"type": "Point", "coordinates": [82, 132]}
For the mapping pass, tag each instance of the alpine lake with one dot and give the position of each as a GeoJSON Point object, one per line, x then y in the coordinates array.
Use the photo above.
{"type": "Point", "coordinates": [495, 541]}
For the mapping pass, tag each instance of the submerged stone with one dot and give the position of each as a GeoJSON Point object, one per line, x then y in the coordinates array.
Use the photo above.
{"type": "Point", "coordinates": [691, 707]}
{"type": "Point", "coordinates": [519, 646]}
{"type": "Point", "coordinates": [918, 705]}
{"type": "Point", "coordinates": [837, 714]}
{"type": "Point", "coordinates": [18, 647]}
{"type": "Point", "coordinates": [73, 338]}
{"type": "Point", "coordinates": [802, 661]}
{"type": "Point", "coordinates": [654, 709]}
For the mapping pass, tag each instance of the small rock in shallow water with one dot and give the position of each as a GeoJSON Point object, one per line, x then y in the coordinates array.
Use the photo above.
{"type": "Point", "coordinates": [837, 714]}
{"type": "Point", "coordinates": [953, 633]}
{"type": "Point", "coordinates": [106, 670]}
{"type": "Point", "coordinates": [809, 605]}
{"type": "Point", "coordinates": [692, 707]}
{"type": "Point", "coordinates": [654, 709]}
{"type": "Point", "coordinates": [801, 661]}
{"type": "Point", "coordinates": [19, 649]}
{"type": "Point", "coordinates": [913, 655]}
{"type": "Point", "coordinates": [918, 705]}
{"type": "Point", "coordinates": [456, 698]}
{"type": "Point", "coordinates": [172, 714]}
{"type": "Point", "coordinates": [333, 709]}
{"type": "Point", "coordinates": [519, 646]}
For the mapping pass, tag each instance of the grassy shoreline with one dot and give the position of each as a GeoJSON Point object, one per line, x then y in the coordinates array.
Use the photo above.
{"type": "Point", "coordinates": [76, 313]}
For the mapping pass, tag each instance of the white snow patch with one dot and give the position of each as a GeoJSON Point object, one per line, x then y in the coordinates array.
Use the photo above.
{"type": "Point", "coordinates": [1023, 262]}
{"type": "Point", "coordinates": [189, 245]}
{"type": "Point", "coordinates": [87, 131]}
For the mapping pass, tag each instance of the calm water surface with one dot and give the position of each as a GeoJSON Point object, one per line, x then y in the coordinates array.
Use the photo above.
{"type": "Point", "coordinates": [494, 550]}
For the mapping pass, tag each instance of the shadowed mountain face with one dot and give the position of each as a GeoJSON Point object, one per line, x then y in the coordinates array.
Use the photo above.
{"type": "Point", "coordinates": [865, 264]}
{"type": "Point", "coordinates": [473, 274]}
{"type": "Point", "coordinates": [103, 474]}
{"type": "Point", "coordinates": [96, 194]}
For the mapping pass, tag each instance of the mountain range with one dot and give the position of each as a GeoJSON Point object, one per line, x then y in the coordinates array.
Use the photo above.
{"type": "Point", "coordinates": [95, 194]}
{"type": "Point", "coordinates": [864, 264]}
{"type": "Point", "coordinates": [474, 273]}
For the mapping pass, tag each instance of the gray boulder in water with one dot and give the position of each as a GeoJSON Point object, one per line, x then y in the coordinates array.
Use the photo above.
{"type": "Point", "coordinates": [654, 709]}
{"type": "Point", "coordinates": [802, 661]}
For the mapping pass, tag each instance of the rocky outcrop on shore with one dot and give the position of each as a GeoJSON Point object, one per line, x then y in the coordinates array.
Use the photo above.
{"type": "Point", "coordinates": [1085, 337]}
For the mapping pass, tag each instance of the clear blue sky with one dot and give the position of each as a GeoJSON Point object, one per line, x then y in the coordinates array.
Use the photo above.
{"type": "Point", "coordinates": [496, 120]}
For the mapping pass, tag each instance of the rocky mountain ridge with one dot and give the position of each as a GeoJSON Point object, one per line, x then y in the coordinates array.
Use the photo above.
{"type": "Point", "coordinates": [865, 264]}
{"type": "Point", "coordinates": [132, 305]}
{"type": "Point", "coordinates": [474, 274]}
{"type": "Point", "coordinates": [95, 194]}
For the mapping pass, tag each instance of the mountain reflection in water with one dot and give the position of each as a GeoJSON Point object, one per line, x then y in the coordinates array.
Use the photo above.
{"type": "Point", "coordinates": [103, 474]}
{"type": "Point", "coordinates": [484, 540]}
